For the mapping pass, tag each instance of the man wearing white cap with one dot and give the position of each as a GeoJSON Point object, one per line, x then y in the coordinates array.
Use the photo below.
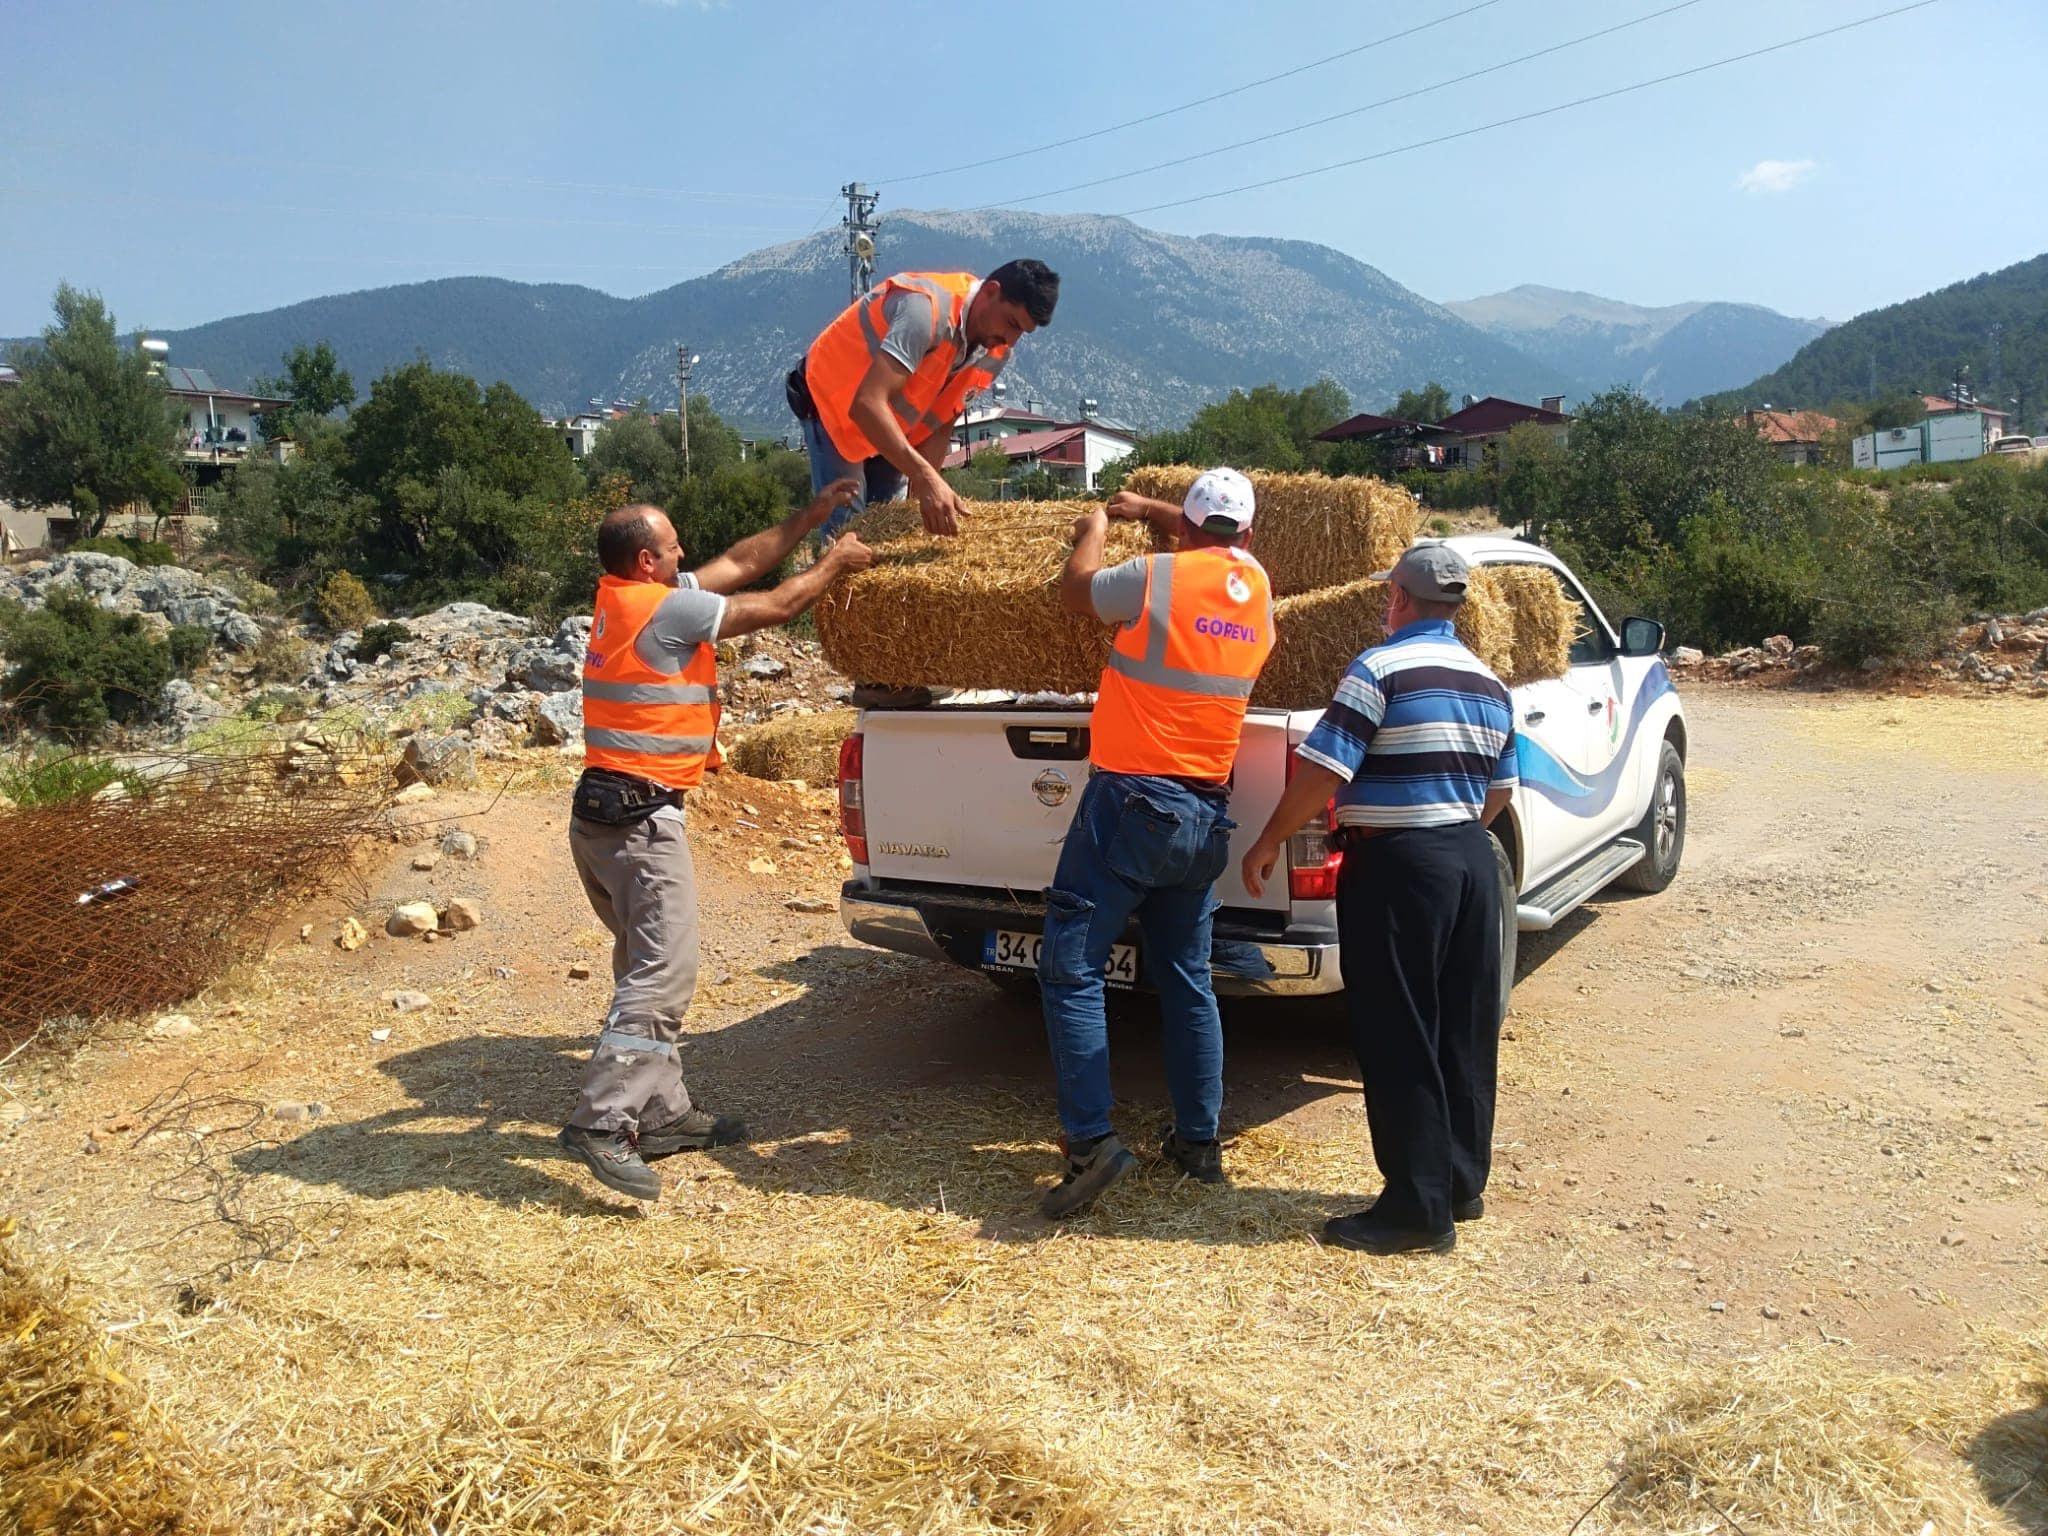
{"type": "Point", "coordinates": [1150, 835]}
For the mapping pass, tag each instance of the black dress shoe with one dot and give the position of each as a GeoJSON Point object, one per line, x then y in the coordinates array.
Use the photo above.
{"type": "Point", "coordinates": [1367, 1234]}
{"type": "Point", "coordinates": [1468, 1210]}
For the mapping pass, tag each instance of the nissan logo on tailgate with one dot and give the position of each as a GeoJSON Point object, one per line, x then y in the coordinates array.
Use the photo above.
{"type": "Point", "coordinates": [1052, 787]}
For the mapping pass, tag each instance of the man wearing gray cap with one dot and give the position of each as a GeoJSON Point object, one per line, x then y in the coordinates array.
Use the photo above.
{"type": "Point", "coordinates": [1418, 750]}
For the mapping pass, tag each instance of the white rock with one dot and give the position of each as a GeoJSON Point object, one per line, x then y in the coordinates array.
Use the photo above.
{"type": "Point", "coordinates": [380, 1035]}
{"type": "Point", "coordinates": [173, 1026]}
{"type": "Point", "coordinates": [411, 917]}
{"type": "Point", "coordinates": [407, 1002]}
{"type": "Point", "coordinates": [413, 794]}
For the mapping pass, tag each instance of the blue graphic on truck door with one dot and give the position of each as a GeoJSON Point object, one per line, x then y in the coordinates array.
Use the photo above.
{"type": "Point", "coordinates": [1575, 792]}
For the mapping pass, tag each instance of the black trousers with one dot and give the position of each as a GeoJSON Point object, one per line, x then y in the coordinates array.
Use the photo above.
{"type": "Point", "coordinates": [1418, 919]}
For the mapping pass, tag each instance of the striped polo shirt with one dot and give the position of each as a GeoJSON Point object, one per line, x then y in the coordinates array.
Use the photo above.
{"type": "Point", "coordinates": [1419, 730]}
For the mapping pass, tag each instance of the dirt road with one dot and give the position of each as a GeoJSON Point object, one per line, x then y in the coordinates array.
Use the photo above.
{"type": "Point", "coordinates": [1770, 1179]}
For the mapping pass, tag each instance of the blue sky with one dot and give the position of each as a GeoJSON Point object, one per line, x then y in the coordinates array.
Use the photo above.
{"type": "Point", "coordinates": [191, 162]}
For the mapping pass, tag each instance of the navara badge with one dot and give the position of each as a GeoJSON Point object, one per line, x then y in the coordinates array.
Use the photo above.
{"type": "Point", "coordinates": [1052, 787]}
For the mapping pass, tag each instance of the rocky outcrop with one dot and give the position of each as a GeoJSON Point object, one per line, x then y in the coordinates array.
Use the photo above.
{"type": "Point", "coordinates": [175, 594]}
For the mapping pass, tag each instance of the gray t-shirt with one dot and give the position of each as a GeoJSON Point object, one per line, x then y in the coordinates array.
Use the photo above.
{"type": "Point", "coordinates": [909, 337]}
{"type": "Point", "coordinates": [687, 618]}
{"type": "Point", "coordinates": [1118, 593]}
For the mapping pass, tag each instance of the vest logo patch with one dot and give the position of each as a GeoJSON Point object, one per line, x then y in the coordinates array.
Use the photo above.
{"type": "Point", "coordinates": [592, 659]}
{"type": "Point", "coordinates": [1239, 589]}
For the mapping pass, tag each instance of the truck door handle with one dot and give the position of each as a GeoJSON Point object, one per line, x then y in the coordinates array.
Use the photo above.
{"type": "Point", "coordinates": [1534, 717]}
{"type": "Point", "coordinates": [1594, 706]}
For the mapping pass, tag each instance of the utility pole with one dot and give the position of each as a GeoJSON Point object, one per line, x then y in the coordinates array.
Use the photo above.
{"type": "Point", "coordinates": [861, 228]}
{"type": "Point", "coordinates": [685, 360]}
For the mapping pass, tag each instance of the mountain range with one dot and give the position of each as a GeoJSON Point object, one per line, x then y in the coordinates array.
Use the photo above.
{"type": "Point", "coordinates": [1150, 325]}
{"type": "Point", "coordinates": [1994, 325]}
{"type": "Point", "coordinates": [1672, 353]}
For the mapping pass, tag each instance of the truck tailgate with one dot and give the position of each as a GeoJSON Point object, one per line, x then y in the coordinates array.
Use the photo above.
{"type": "Point", "coordinates": [982, 796]}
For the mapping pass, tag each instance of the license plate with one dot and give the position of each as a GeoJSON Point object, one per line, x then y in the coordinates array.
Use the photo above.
{"type": "Point", "coordinates": [1005, 949]}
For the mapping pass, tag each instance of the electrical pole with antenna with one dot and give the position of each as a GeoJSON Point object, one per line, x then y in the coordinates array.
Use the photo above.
{"type": "Point", "coordinates": [685, 361]}
{"type": "Point", "coordinates": [861, 228]}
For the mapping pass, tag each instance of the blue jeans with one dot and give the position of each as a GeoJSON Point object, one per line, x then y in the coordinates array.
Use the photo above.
{"type": "Point", "coordinates": [879, 479]}
{"type": "Point", "coordinates": [1152, 848]}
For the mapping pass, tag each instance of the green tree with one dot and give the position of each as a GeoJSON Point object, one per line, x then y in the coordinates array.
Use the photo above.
{"type": "Point", "coordinates": [89, 425]}
{"type": "Point", "coordinates": [315, 383]}
{"type": "Point", "coordinates": [1265, 428]}
{"type": "Point", "coordinates": [645, 450]}
{"type": "Point", "coordinates": [1430, 403]}
{"type": "Point", "coordinates": [73, 667]}
{"type": "Point", "coordinates": [1533, 478]}
{"type": "Point", "coordinates": [1895, 411]}
{"type": "Point", "coordinates": [981, 477]}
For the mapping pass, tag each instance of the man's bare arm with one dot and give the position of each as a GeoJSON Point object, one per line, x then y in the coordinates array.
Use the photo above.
{"type": "Point", "coordinates": [874, 414]}
{"type": "Point", "coordinates": [1166, 519]}
{"type": "Point", "coordinates": [1090, 532]}
{"type": "Point", "coordinates": [758, 554]}
{"type": "Point", "coordinates": [746, 612]}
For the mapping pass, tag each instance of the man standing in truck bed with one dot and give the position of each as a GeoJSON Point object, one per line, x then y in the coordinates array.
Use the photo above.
{"type": "Point", "coordinates": [1149, 835]}
{"type": "Point", "coordinates": [879, 390]}
{"type": "Point", "coordinates": [650, 728]}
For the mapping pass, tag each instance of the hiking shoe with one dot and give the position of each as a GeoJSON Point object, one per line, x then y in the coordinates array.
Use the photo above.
{"type": "Point", "coordinates": [611, 1156]}
{"type": "Point", "coordinates": [1201, 1160]}
{"type": "Point", "coordinates": [1087, 1176]}
{"type": "Point", "coordinates": [691, 1131]}
{"type": "Point", "coordinates": [1468, 1210]}
{"type": "Point", "coordinates": [1366, 1233]}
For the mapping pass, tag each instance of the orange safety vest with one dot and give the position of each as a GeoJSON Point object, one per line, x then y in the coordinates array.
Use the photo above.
{"type": "Point", "coordinates": [655, 725]}
{"type": "Point", "coordinates": [933, 395]}
{"type": "Point", "coordinates": [1179, 678]}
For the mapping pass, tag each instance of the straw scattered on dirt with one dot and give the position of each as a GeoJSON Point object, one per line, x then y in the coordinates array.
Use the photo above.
{"type": "Point", "coordinates": [794, 747]}
{"type": "Point", "coordinates": [80, 1451]}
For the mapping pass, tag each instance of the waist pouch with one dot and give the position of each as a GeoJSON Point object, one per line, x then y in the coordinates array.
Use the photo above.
{"type": "Point", "coordinates": [618, 799]}
{"type": "Point", "coordinates": [796, 389]}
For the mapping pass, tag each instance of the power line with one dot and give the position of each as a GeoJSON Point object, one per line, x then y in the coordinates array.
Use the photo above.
{"type": "Point", "coordinates": [1189, 106]}
{"type": "Point", "coordinates": [1371, 106]}
{"type": "Point", "coordinates": [1525, 117]}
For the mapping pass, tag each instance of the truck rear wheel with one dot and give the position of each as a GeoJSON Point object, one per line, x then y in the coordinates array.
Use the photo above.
{"type": "Point", "coordinates": [1510, 932]}
{"type": "Point", "coordinates": [1662, 829]}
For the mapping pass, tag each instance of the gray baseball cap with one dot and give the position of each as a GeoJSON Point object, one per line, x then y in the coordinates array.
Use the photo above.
{"type": "Point", "coordinates": [1431, 570]}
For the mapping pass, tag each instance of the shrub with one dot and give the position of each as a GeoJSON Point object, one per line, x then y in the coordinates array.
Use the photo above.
{"type": "Point", "coordinates": [75, 668]}
{"type": "Point", "coordinates": [137, 551]}
{"type": "Point", "coordinates": [279, 657]}
{"type": "Point", "coordinates": [378, 639]}
{"type": "Point", "coordinates": [1450, 490]}
{"type": "Point", "coordinates": [48, 778]}
{"type": "Point", "coordinates": [190, 645]}
{"type": "Point", "coordinates": [343, 602]}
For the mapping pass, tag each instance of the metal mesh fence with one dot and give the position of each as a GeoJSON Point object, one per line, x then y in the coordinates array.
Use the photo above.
{"type": "Point", "coordinates": [128, 901]}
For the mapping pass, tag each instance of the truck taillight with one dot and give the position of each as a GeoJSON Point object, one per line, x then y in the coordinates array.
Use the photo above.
{"type": "Point", "coordinates": [853, 816]}
{"type": "Point", "coordinates": [1312, 858]}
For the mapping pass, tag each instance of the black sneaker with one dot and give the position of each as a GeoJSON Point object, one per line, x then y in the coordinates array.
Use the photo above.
{"type": "Point", "coordinates": [691, 1131]}
{"type": "Point", "coordinates": [1202, 1160]}
{"type": "Point", "coordinates": [611, 1156]}
{"type": "Point", "coordinates": [1087, 1176]}
{"type": "Point", "coordinates": [1468, 1210]}
{"type": "Point", "coordinates": [1367, 1233]}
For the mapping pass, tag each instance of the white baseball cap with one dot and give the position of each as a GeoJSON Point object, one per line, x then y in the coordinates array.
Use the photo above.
{"type": "Point", "coordinates": [1220, 501]}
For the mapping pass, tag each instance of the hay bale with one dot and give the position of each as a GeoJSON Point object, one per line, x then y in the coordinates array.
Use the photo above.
{"type": "Point", "coordinates": [978, 611]}
{"type": "Point", "coordinates": [79, 1449]}
{"type": "Point", "coordinates": [794, 747]}
{"type": "Point", "coordinates": [1317, 635]}
{"type": "Point", "coordinates": [1542, 621]}
{"type": "Point", "coordinates": [1312, 531]}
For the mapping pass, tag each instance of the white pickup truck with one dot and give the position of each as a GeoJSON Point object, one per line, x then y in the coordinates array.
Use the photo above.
{"type": "Point", "coordinates": [954, 813]}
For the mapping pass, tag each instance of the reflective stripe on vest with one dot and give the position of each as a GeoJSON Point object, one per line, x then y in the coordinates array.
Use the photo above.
{"type": "Point", "coordinates": [1178, 681]}
{"type": "Point", "coordinates": [931, 399]}
{"type": "Point", "coordinates": [637, 719]}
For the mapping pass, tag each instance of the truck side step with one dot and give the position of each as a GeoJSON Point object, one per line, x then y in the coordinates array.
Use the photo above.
{"type": "Point", "coordinates": [1561, 893]}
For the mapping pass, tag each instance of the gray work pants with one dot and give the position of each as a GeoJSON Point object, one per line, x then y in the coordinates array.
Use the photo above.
{"type": "Point", "coordinates": [643, 888]}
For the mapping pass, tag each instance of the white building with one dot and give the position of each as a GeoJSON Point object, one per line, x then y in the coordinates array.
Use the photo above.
{"type": "Point", "coordinates": [219, 425]}
{"type": "Point", "coordinates": [1075, 453]}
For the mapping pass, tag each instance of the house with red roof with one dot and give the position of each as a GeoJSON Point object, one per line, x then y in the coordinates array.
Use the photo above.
{"type": "Point", "coordinates": [1481, 423]}
{"type": "Point", "coordinates": [1797, 435]}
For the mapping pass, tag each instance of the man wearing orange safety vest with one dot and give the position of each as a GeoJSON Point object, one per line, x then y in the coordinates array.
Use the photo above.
{"type": "Point", "coordinates": [881, 387]}
{"type": "Point", "coordinates": [650, 729]}
{"type": "Point", "coordinates": [1150, 834]}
